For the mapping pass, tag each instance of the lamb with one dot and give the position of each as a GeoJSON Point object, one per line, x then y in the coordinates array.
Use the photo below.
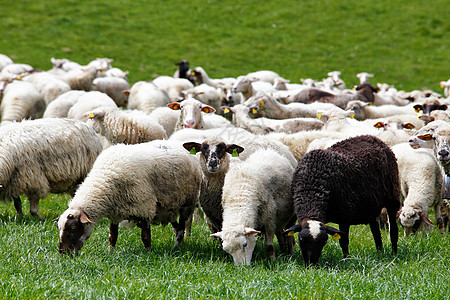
{"type": "Point", "coordinates": [256, 199]}
{"type": "Point", "coordinates": [87, 102]}
{"type": "Point", "coordinates": [4, 61]}
{"type": "Point", "coordinates": [215, 163]}
{"type": "Point", "coordinates": [130, 182]}
{"type": "Point", "coordinates": [173, 86]}
{"type": "Point", "coordinates": [50, 86]}
{"type": "Point", "coordinates": [114, 87]}
{"type": "Point", "coordinates": [59, 107]}
{"type": "Point", "coordinates": [347, 184]}
{"type": "Point", "coordinates": [125, 126]}
{"type": "Point", "coordinates": [269, 107]}
{"type": "Point", "coordinates": [44, 156]}
{"type": "Point", "coordinates": [365, 92]}
{"type": "Point", "coordinates": [21, 100]}
{"type": "Point", "coordinates": [191, 115]}
{"type": "Point", "coordinates": [200, 76]}
{"type": "Point", "coordinates": [420, 180]}
{"type": "Point", "coordinates": [146, 96]}
{"type": "Point", "coordinates": [363, 110]}
{"type": "Point", "coordinates": [265, 125]}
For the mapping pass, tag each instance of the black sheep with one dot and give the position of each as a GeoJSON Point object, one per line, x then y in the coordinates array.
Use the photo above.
{"type": "Point", "coordinates": [348, 184]}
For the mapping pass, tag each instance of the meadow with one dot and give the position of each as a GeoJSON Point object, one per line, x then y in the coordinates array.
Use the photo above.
{"type": "Point", "coordinates": [404, 43]}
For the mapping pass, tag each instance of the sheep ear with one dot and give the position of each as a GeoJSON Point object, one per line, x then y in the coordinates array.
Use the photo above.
{"type": "Point", "coordinates": [126, 92]}
{"type": "Point", "coordinates": [192, 147]}
{"type": "Point", "coordinates": [84, 218]}
{"type": "Point", "coordinates": [425, 218]}
{"type": "Point", "coordinates": [337, 234]}
{"type": "Point", "coordinates": [232, 148]}
{"type": "Point", "coordinates": [217, 235]}
{"type": "Point", "coordinates": [207, 109]}
{"type": "Point", "coordinates": [417, 108]}
{"type": "Point", "coordinates": [56, 219]}
{"type": "Point", "coordinates": [174, 105]}
{"type": "Point", "coordinates": [425, 137]}
{"type": "Point", "coordinates": [250, 231]}
{"type": "Point", "coordinates": [253, 110]}
{"type": "Point", "coordinates": [378, 125]}
{"type": "Point", "coordinates": [95, 114]}
{"type": "Point", "coordinates": [293, 229]}
{"type": "Point", "coordinates": [443, 107]}
{"type": "Point", "coordinates": [408, 126]}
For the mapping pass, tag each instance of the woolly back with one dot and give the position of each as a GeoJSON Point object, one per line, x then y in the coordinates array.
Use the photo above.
{"type": "Point", "coordinates": [355, 177]}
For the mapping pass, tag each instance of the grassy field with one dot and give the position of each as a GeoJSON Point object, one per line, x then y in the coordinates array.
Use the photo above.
{"type": "Point", "coordinates": [405, 43]}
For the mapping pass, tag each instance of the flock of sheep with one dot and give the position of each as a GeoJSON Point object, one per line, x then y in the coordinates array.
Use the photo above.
{"type": "Point", "coordinates": [256, 153]}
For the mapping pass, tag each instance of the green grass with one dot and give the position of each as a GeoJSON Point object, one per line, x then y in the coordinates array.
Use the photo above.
{"type": "Point", "coordinates": [405, 43]}
{"type": "Point", "coordinates": [31, 267]}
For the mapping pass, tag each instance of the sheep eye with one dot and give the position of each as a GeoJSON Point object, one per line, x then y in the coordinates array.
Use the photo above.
{"type": "Point", "coordinates": [244, 245]}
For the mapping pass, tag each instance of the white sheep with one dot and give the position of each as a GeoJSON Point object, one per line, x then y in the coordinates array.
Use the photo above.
{"type": "Point", "coordinates": [166, 117]}
{"type": "Point", "coordinates": [60, 107]}
{"type": "Point", "coordinates": [49, 85]}
{"type": "Point", "coordinates": [206, 94]}
{"type": "Point", "coordinates": [44, 156]}
{"type": "Point", "coordinates": [15, 69]}
{"type": "Point", "coordinates": [21, 100]}
{"type": "Point", "coordinates": [285, 85]}
{"type": "Point", "coordinates": [446, 86]}
{"type": "Point", "coordinates": [200, 76]}
{"type": "Point", "coordinates": [364, 110]}
{"type": "Point", "coordinates": [4, 61]}
{"type": "Point", "coordinates": [339, 120]}
{"type": "Point", "coordinates": [264, 125]}
{"type": "Point", "coordinates": [364, 77]}
{"type": "Point", "coordinates": [264, 75]}
{"type": "Point", "coordinates": [250, 86]}
{"type": "Point", "coordinates": [114, 87]}
{"type": "Point", "coordinates": [191, 115]}
{"type": "Point", "coordinates": [64, 64]}
{"type": "Point", "coordinates": [125, 126]}
{"type": "Point", "coordinates": [256, 199]}
{"type": "Point", "coordinates": [87, 102]}
{"type": "Point", "coordinates": [82, 78]}
{"type": "Point", "coordinates": [146, 96]}
{"type": "Point", "coordinates": [173, 86]}
{"type": "Point", "coordinates": [336, 77]}
{"type": "Point", "coordinates": [420, 178]}
{"type": "Point", "coordinates": [148, 183]}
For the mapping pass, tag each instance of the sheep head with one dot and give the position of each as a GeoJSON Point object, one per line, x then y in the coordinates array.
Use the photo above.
{"type": "Point", "coordinates": [74, 229]}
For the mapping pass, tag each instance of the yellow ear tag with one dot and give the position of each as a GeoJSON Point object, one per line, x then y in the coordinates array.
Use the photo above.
{"type": "Point", "coordinates": [442, 86]}
{"type": "Point", "coordinates": [319, 116]}
{"type": "Point", "coordinates": [192, 73]}
{"type": "Point", "coordinates": [226, 111]}
{"type": "Point", "coordinates": [336, 236]}
{"type": "Point", "coordinates": [88, 219]}
{"type": "Point", "coordinates": [254, 111]}
{"type": "Point", "coordinates": [352, 116]}
{"type": "Point", "coordinates": [291, 233]}
{"type": "Point", "coordinates": [91, 116]}
{"type": "Point", "coordinates": [193, 151]}
{"type": "Point", "coordinates": [261, 102]}
{"type": "Point", "coordinates": [417, 110]}
{"type": "Point", "coordinates": [235, 153]}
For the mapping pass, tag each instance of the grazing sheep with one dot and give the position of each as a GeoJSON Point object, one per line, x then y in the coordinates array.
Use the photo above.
{"type": "Point", "coordinates": [146, 96]}
{"type": "Point", "coordinates": [60, 107]}
{"type": "Point", "coordinates": [347, 184]}
{"type": "Point", "coordinates": [365, 92]}
{"type": "Point", "coordinates": [114, 87]}
{"type": "Point", "coordinates": [4, 61]}
{"type": "Point", "coordinates": [44, 156]}
{"type": "Point", "coordinates": [21, 100]}
{"type": "Point", "coordinates": [125, 126]}
{"type": "Point", "coordinates": [191, 115]}
{"type": "Point", "coordinates": [214, 155]}
{"type": "Point", "coordinates": [264, 125]}
{"type": "Point", "coordinates": [420, 181]}
{"type": "Point", "coordinates": [256, 199]}
{"type": "Point", "coordinates": [87, 102]}
{"type": "Point", "coordinates": [148, 183]}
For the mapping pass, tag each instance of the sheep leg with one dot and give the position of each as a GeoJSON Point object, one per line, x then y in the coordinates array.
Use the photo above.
{"type": "Point", "coordinates": [113, 234]}
{"type": "Point", "coordinates": [34, 208]}
{"type": "Point", "coordinates": [146, 235]}
{"type": "Point", "coordinates": [393, 229]}
{"type": "Point", "coordinates": [375, 228]}
{"type": "Point", "coordinates": [343, 241]}
{"type": "Point", "coordinates": [269, 245]}
{"type": "Point", "coordinates": [438, 217]}
{"type": "Point", "coordinates": [185, 213]}
{"type": "Point", "coordinates": [18, 206]}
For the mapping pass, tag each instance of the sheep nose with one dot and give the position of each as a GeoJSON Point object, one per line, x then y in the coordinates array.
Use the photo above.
{"type": "Point", "coordinates": [443, 153]}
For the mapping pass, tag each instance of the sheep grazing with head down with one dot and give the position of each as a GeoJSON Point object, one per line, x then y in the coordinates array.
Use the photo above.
{"type": "Point", "coordinates": [44, 156]}
{"type": "Point", "coordinates": [256, 199]}
{"type": "Point", "coordinates": [348, 184]}
{"type": "Point", "coordinates": [148, 183]}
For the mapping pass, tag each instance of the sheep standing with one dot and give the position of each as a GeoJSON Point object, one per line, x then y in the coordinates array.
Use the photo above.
{"type": "Point", "coordinates": [44, 156]}
{"type": "Point", "coordinates": [256, 199]}
{"type": "Point", "coordinates": [347, 184]}
{"type": "Point", "coordinates": [420, 180]}
{"type": "Point", "coordinates": [149, 183]}
{"type": "Point", "coordinates": [125, 126]}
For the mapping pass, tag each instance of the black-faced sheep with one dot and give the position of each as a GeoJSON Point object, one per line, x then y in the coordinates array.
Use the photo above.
{"type": "Point", "coordinates": [348, 184]}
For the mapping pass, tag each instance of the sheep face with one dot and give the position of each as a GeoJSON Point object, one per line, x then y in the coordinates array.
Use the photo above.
{"type": "Point", "coordinates": [74, 229]}
{"type": "Point", "coordinates": [239, 244]}
{"type": "Point", "coordinates": [412, 219]}
{"type": "Point", "coordinates": [191, 110]}
{"type": "Point", "coordinates": [212, 155]}
{"type": "Point", "coordinates": [442, 147]}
